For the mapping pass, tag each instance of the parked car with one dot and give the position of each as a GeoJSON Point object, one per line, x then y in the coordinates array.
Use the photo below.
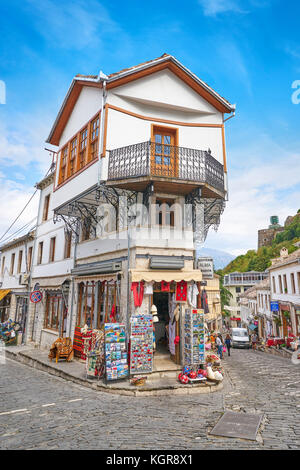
{"type": "Point", "coordinates": [240, 338]}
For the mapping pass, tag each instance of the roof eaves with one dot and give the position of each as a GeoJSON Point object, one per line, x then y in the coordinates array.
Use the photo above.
{"type": "Point", "coordinates": [29, 236]}
{"type": "Point", "coordinates": [78, 77]}
{"type": "Point", "coordinates": [229, 106]}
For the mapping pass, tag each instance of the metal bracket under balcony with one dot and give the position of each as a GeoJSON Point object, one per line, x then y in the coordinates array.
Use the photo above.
{"type": "Point", "coordinates": [174, 169]}
{"type": "Point", "coordinates": [82, 212]}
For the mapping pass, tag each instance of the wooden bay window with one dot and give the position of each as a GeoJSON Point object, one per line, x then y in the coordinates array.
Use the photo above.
{"type": "Point", "coordinates": [81, 149]}
{"type": "Point", "coordinates": [72, 157]}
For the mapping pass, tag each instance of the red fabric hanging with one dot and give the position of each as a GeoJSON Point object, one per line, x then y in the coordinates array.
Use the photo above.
{"type": "Point", "coordinates": [112, 316]}
{"type": "Point", "coordinates": [165, 286]}
{"type": "Point", "coordinates": [181, 291]}
{"type": "Point", "coordinates": [138, 292]}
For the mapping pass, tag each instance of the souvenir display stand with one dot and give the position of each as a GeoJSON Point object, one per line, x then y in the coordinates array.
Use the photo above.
{"type": "Point", "coordinates": [141, 344]}
{"type": "Point", "coordinates": [194, 341]}
{"type": "Point", "coordinates": [116, 366]}
{"type": "Point", "coordinates": [95, 361]}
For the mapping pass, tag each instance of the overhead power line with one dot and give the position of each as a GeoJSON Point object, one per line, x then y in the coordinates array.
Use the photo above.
{"type": "Point", "coordinates": [19, 215]}
{"type": "Point", "coordinates": [52, 166]}
{"type": "Point", "coordinates": [7, 239]}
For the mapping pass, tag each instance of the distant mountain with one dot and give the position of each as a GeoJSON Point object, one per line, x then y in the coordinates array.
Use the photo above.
{"type": "Point", "coordinates": [221, 258]}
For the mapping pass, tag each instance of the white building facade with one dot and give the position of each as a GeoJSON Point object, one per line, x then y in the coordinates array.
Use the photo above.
{"type": "Point", "coordinates": [285, 292]}
{"type": "Point", "coordinates": [16, 263]}
{"type": "Point", "coordinates": [140, 177]}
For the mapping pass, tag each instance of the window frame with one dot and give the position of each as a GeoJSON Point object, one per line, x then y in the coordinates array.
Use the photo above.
{"type": "Point", "coordinates": [20, 259]}
{"type": "Point", "coordinates": [40, 253]}
{"type": "Point", "coordinates": [12, 263]}
{"type": "Point", "coordinates": [68, 245]}
{"type": "Point", "coordinates": [54, 305]}
{"type": "Point", "coordinates": [52, 249]}
{"type": "Point", "coordinates": [29, 258]}
{"type": "Point", "coordinates": [46, 208]}
{"type": "Point", "coordinates": [65, 171]}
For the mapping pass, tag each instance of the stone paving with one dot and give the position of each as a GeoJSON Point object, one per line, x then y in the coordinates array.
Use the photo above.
{"type": "Point", "coordinates": [40, 411]}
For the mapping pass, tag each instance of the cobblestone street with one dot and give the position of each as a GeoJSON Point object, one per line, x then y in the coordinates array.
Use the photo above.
{"type": "Point", "coordinates": [39, 411]}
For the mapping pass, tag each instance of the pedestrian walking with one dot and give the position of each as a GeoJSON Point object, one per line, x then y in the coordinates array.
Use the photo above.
{"type": "Point", "coordinates": [219, 344]}
{"type": "Point", "coordinates": [254, 339]}
{"type": "Point", "coordinates": [228, 343]}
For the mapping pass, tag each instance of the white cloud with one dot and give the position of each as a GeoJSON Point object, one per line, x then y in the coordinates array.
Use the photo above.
{"type": "Point", "coordinates": [72, 24]}
{"type": "Point", "coordinates": [258, 188]}
{"type": "Point", "coordinates": [216, 7]}
{"type": "Point", "coordinates": [13, 197]}
{"type": "Point", "coordinates": [22, 143]}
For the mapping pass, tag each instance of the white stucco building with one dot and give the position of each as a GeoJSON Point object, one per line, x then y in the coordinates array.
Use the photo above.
{"type": "Point", "coordinates": [140, 177]}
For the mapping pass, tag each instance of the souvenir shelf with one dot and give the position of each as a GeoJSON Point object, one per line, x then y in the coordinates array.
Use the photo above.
{"type": "Point", "coordinates": [141, 344]}
{"type": "Point", "coordinates": [116, 365]}
{"type": "Point", "coordinates": [194, 337]}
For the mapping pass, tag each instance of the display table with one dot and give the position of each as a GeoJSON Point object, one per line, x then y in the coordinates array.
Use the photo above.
{"type": "Point", "coordinates": [275, 341]}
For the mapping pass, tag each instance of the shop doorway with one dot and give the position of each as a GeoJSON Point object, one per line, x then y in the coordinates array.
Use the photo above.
{"type": "Point", "coordinates": [161, 301]}
{"type": "Point", "coordinates": [167, 353]}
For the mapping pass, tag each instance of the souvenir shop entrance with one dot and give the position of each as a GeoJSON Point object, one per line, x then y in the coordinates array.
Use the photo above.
{"type": "Point", "coordinates": [167, 328]}
{"type": "Point", "coordinates": [161, 301]}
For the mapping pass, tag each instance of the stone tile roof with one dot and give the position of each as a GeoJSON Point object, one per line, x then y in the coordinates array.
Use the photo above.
{"type": "Point", "coordinates": [277, 262]}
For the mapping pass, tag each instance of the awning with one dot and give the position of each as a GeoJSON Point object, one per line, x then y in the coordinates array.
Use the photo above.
{"type": "Point", "coordinates": [4, 292]}
{"type": "Point", "coordinates": [45, 282]}
{"type": "Point", "coordinates": [168, 276]}
{"type": "Point", "coordinates": [96, 277]}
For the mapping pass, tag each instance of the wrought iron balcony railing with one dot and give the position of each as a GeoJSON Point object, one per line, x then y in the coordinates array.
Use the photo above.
{"type": "Point", "coordinates": [167, 161]}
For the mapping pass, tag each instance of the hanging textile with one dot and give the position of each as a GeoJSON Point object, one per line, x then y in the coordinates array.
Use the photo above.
{"type": "Point", "coordinates": [192, 295]}
{"type": "Point", "coordinates": [77, 342]}
{"type": "Point", "coordinates": [148, 289]}
{"type": "Point", "coordinates": [181, 291]}
{"type": "Point", "coordinates": [165, 286]}
{"type": "Point", "coordinates": [112, 316]}
{"type": "Point", "coordinates": [204, 301]}
{"type": "Point", "coordinates": [172, 324]}
{"type": "Point", "coordinates": [138, 292]}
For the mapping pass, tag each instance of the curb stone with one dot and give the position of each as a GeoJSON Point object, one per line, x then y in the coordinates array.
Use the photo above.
{"type": "Point", "coordinates": [147, 391]}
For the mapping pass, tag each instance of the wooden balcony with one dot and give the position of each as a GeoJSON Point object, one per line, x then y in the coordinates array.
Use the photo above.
{"type": "Point", "coordinates": [172, 170]}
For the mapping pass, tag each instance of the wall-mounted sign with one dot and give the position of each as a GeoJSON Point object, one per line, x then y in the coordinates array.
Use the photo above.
{"type": "Point", "coordinates": [274, 306]}
{"type": "Point", "coordinates": [235, 318]}
{"type": "Point", "coordinates": [36, 296]}
{"type": "Point", "coordinates": [206, 266]}
{"type": "Point", "coordinates": [284, 307]}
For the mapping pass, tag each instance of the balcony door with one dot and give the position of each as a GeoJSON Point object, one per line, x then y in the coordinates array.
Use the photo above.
{"type": "Point", "coordinates": [164, 151]}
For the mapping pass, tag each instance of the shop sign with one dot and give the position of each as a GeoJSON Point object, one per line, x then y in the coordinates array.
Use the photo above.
{"type": "Point", "coordinates": [36, 296]}
{"type": "Point", "coordinates": [274, 306]}
{"type": "Point", "coordinates": [284, 307]}
{"type": "Point", "coordinates": [206, 266]}
{"type": "Point", "coordinates": [235, 319]}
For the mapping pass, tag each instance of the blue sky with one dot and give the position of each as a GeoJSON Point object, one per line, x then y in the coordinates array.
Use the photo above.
{"type": "Point", "coordinates": [247, 50]}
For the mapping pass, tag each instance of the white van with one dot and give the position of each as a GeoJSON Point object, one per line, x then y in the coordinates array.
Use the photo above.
{"type": "Point", "coordinates": [240, 338]}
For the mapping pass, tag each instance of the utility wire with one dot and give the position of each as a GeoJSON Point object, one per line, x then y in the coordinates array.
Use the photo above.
{"type": "Point", "coordinates": [50, 168]}
{"type": "Point", "coordinates": [19, 214]}
{"type": "Point", "coordinates": [20, 230]}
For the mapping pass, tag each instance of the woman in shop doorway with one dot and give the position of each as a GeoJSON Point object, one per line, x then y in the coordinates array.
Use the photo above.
{"type": "Point", "coordinates": [228, 343]}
